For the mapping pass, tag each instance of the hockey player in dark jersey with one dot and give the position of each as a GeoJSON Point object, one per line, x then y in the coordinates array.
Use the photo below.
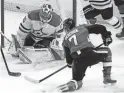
{"type": "Point", "coordinates": [81, 53]}
{"type": "Point", "coordinates": [104, 8]}
{"type": "Point", "coordinates": [120, 5]}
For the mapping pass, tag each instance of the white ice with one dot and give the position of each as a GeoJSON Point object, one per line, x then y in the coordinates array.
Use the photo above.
{"type": "Point", "coordinates": [92, 82]}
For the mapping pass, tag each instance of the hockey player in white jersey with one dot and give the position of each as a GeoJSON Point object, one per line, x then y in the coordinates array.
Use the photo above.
{"type": "Point", "coordinates": [104, 8]}
{"type": "Point", "coordinates": [120, 5]}
{"type": "Point", "coordinates": [38, 27]}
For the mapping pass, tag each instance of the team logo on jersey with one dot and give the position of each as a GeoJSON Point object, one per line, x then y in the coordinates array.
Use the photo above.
{"type": "Point", "coordinates": [39, 32]}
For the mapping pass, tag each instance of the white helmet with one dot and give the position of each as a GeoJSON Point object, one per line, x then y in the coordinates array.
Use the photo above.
{"type": "Point", "coordinates": [45, 13]}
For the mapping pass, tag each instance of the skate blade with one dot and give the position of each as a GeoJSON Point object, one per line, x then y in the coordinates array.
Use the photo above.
{"type": "Point", "coordinates": [109, 85]}
{"type": "Point", "coordinates": [121, 38]}
{"type": "Point", "coordinates": [51, 91]}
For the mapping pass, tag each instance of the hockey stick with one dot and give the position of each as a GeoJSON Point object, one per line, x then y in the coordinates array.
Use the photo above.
{"type": "Point", "coordinates": [5, 36]}
{"type": "Point", "coordinates": [99, 45]}
{"type": "Point", "coordinates": [38, 81]}
{"type": "Point", "coordinates": [6, 39]}
{"type": "Point", "coordinates": [10, 73]}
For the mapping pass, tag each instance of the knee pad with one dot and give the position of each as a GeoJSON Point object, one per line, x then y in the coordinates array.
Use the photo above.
{"type": "Point", "coordinates": [115, 22]}
{"type": "Point", "coordinates": [108, 58]}
{"type": "Point", "coordinates": [106, 52]}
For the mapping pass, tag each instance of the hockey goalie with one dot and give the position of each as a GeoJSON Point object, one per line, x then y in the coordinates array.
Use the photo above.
{"type": "Point", "coordinates": [40, 35]}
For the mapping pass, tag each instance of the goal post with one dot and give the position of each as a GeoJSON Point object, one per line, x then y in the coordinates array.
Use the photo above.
{"type": "Point", "coordinates": [78, 15]}
{"type": "Point", "coordinates": [2, 22]}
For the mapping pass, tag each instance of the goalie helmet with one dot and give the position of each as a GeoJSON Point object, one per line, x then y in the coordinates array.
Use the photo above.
{"type": "Point", "coordinates": [45, 13]}
{"type": "Point", "coordinates": [68, 24]}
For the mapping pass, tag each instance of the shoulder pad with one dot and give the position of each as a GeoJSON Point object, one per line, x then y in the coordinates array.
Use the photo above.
{"type": "Point", "coordinates": [34, 15]}
{"type": "Point", "coordinates": [56, 20]}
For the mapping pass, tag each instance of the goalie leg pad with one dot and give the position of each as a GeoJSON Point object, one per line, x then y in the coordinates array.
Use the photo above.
{"type": "Point", "coordinates": [13, 50]}
{"type": "Point", "coordinates": [37, 55]}
{"type": "Point", "coordinates": [56, 49]}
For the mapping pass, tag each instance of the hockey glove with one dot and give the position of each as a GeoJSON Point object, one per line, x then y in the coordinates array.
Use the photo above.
{"type": "Point", "coordinates": [107, 38]}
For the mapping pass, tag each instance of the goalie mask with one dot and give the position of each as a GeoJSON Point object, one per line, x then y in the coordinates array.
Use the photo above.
{"type": "Point", "coordinates": [68, 24]}
{"type": "Point", "coordinates": [45, 13]}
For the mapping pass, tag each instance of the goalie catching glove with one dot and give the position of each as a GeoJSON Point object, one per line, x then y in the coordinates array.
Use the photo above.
{"type": "Point", "coordinates": [107, 38]}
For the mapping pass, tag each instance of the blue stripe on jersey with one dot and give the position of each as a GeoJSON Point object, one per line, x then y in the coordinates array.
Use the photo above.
{"type": "Point", "coordinates": [116, 23]}
{"type": "Point", "coordinates": [118, 26]}
{"type": "Point", "coordinates": [24, 27]}
{"type": "Point", "coordinates": [87, 9]}
{"type": "Point", "coordinates": [23, 30]}
{"type": "Point", "coordinates": [99, 3]}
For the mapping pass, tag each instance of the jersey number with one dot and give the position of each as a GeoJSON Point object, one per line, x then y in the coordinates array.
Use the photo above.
{"type": "Point", "coordinates": [74, 38]}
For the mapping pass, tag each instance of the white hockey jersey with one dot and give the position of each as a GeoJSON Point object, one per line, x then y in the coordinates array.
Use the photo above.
{"type": "Point", "coordinates": [97, 4]}
{"type": "Point", "coordinates": [33, 24]}
{"type": "Point", "coordinates": [101, 4]}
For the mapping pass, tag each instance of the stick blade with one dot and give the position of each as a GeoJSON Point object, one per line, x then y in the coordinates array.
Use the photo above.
{"type": "Point", "coordinates": [16, 74]}
{"type": "Point", "coordinates": [31, 80]}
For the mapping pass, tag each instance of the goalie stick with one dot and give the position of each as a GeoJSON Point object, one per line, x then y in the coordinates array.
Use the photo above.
{"type": "Point", "coordinates": [6, 39]}
{"type": "Point", "coordinates": [39, 81]}
{"type": "Point", "coordinates": [5, 36]}
{"type": "Point", "coordinates": [10, 73]}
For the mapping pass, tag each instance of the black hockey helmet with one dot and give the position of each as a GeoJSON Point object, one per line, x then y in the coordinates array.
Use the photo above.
{"type": "Point", "coordinates": [68, 24]}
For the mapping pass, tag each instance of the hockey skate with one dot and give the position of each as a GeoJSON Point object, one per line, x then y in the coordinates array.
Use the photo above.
{"type": "Point", "coordinates": [121, 34]}
{"type": "Point", "coordinates": [107, 76]}
{"type": "Point", "coordinates": [70, 86]}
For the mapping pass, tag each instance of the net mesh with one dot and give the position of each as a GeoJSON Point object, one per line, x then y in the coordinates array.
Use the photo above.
{"type": "Point", "coordinates": [16, 7]}
{"type": "Point", "coordinates": [22, 6]}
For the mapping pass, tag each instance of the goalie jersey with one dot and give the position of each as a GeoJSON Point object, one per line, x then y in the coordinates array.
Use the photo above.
{"type": "Point", "coordinates": [32, 24]}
